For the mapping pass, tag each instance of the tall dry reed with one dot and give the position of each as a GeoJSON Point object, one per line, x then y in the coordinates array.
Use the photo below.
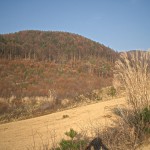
{"type": "Point", "coordinates": [132, 74]}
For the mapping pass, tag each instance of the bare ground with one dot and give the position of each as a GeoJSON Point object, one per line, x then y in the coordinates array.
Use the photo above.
{"type": "Point", "coordinates": [50, 128]}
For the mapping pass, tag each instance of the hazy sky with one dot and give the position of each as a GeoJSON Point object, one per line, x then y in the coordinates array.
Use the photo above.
{"type": "Point", "coordinates": [119, 24]}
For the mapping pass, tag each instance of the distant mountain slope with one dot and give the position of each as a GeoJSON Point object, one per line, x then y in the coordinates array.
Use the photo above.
{"type": "Point", "coordinates": [34, 62]}
{"type": "Point", "coordinates": [52, 46]}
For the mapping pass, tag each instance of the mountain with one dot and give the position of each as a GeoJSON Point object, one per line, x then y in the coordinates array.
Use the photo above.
{"type": "Point", "coordinates": [51, 46]}
{"type": "Point", "coordinates": [34, 62]}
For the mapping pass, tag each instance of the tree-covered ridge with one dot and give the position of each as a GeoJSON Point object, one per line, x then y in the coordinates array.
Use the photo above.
{"type": "Point", "coordinates": [59, 47]}
{"type": "Point", "coordinates": [70, 64]}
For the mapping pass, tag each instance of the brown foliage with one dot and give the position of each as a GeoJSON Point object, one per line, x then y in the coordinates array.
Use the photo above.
{"type": "Point", "coordinates": [52, 46]}
{"type": "Point", "coordinates": [22, 78]}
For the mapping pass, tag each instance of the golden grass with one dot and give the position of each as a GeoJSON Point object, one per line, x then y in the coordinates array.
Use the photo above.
{"type": "Point", "coordinates": [132, 74]}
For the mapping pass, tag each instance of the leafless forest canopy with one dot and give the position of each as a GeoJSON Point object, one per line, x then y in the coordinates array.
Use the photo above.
{"type": "Point", "coordinates": [33, 62]}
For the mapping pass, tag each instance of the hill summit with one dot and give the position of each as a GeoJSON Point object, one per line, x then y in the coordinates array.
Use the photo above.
{"type": "Point", "coordinates": [52, 46]}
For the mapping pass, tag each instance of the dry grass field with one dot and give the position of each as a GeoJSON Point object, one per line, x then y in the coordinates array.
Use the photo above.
{"type": "Point", "coordinates": [50, 129]}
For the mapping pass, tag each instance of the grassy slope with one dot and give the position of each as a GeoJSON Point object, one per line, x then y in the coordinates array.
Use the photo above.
{"type": "Point", "coordinates": [19, 135]}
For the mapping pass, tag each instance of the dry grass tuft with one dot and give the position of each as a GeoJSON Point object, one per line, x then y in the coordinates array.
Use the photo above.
{"type": "Point", "coordinates": [132, 74]}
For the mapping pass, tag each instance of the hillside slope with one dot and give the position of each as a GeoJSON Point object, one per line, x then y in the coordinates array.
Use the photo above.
{"type": "Point", "coordinates": [34, 62]}
{"type": "Point", "coordinates": [23, 134]}
{"type": "Point", "coordinates": [50, 65]}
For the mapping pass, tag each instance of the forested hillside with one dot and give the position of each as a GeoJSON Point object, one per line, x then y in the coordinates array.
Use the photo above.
{"type": "Point", "coordinates": [52, 46]}
{"type": "Point", "coordinates": [34, 62]}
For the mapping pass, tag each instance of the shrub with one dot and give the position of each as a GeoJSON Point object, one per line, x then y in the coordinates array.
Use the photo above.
{"type": "Point", "coordinates": [4, 107]}
{"type": "Point", "coordinates": [145, 117]}
{"type": "Point", "coordinates": [112, 91]}
{"type": "Point", "coordinates": [65, 116]}
{"type": "Point", "coordinates": [74, 143]}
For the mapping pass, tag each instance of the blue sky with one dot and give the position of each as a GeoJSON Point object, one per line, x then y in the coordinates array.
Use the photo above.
{"type": "Point", "coordinates": [119, 24]}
